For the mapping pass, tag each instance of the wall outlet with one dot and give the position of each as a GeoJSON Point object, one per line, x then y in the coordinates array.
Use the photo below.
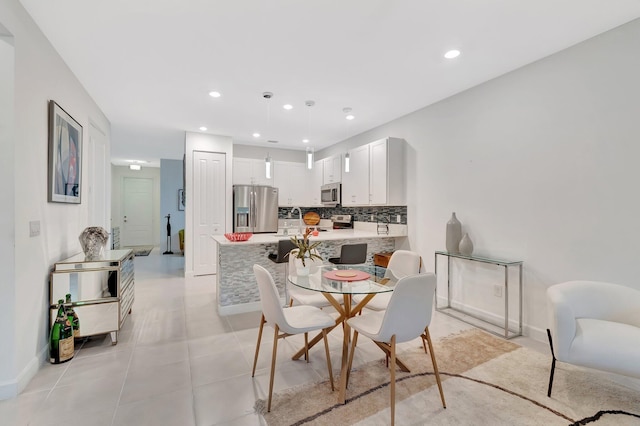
{"type": "Point", "coordinates": [398, 218]}
{"type": "Point", "coordinates": [497, 290]}
{"type": "Point", "coordinates": [373, 218]}
{"type": "Point", "coordinates": [34, 228]}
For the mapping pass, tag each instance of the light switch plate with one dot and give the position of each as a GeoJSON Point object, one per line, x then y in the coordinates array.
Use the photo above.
{"type": "Point", "coordinates": [34, 228]}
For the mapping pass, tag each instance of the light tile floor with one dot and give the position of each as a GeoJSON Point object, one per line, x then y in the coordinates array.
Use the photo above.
{"type": "Point", "coordinates": [178, 362]}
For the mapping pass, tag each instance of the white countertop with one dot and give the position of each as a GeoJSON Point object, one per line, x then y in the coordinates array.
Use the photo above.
{"type": "Point", "coordinates": [361, 230]}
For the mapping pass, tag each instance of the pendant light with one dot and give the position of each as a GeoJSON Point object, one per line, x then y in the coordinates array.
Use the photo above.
{"type": "Point", "coordinates": [309, 104]}
{"type": "Point", "coordinates": [267, 166]}
{"type": "Point", "coordinates": [309, 158]}
{"type": "Point", "coordinates": [346, 163]}
{"type": "Point", "coordinates": [268, 163]}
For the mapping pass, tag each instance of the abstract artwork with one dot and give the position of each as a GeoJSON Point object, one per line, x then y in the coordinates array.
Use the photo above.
{"type": "Point", "coordinates": [65, 156]}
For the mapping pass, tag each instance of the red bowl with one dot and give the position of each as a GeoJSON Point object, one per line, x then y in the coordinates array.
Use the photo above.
{"type": "Point", "coordinates": [238, 236]}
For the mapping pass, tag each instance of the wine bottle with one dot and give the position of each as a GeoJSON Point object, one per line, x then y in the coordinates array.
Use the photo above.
{"type": "Point", "coordinates": [61, 347]}
{"type": "Point", "coordinates": [73, 317]}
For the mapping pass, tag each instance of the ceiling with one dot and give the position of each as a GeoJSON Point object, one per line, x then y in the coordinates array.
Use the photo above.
{"type": "Point", "coordinates": [150, 64]}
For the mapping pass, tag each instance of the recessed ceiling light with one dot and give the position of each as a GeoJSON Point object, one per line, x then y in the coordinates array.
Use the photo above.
{"type": "Point", "coordinates": [287, 107]}
{"type": "Point", "coordinates": [215, 94]}
{"type": "Point", "coordinates": [256, 135]}
{"type": "Point", "coordinates": [350, 117]}
{"type": "Point", "coordinates": [452, 54]}
{"type": "Point", "coordinates": [305, 140]}
{"type": "Point", "coordinates": [203, 128]}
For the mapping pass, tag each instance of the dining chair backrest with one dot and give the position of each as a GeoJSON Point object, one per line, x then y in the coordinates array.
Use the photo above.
{"type": "Point", "coordinates": [403, 263]}
{"type": "Point", "coordinates": [352, 254]}
{"type": "Point", "coordinates": [284, 247]}
{"type": "Point", "coordinates": [410, 308]}
{"type": "Point", "coordinates": [269, 298]}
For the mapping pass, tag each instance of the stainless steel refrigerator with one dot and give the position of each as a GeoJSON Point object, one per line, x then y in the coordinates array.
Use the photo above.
{"type": "Point", "coordinates": [255, 208]}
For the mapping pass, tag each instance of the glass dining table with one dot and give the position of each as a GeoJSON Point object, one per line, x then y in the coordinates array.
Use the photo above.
{"type": "Point", "coordinates": [362, 280]}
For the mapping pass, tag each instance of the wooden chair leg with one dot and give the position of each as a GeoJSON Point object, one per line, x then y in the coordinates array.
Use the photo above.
{"type": "Point", "coordinates": [553, 364]}
{"type": "Point", "coordinates": [435, 366]}
{"type": "Point", "coordinates": [393, 379]}
{"type": "Point", "coordinates": [306, 347]}
{"type": "Point", "coordinates": [326, 349]}
{"type": "Point", "coordinates": [255, 359]}
{"type": "Point", "coordinates": [273, 365]}
{"type": "Point", "coordinates": [424, 340]}
{"type": "Point", "coordinates": [291, 302]}
{"type": "Point", "coordinates": [354, 342]}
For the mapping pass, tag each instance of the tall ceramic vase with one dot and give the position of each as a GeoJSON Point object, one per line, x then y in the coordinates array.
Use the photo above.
{"type": "Point", "coordinates": [454, 234]}
{"type": "Point", "coordinates": [466, 245]}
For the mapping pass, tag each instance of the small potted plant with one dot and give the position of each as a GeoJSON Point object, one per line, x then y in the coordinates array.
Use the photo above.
{"type": "Point", "coordinates": [306, 251]}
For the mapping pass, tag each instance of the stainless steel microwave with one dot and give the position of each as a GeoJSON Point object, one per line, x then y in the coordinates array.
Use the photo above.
{"type": "Point", "coordinates": [330, 194]}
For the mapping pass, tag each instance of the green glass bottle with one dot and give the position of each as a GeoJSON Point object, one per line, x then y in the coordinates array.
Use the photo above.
{"type": "Point", "coordinates": [61, 347]}
{"type": "Point", "coordinates": [73, 317]}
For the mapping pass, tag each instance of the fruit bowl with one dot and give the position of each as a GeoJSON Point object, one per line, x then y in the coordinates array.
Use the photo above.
{"type": "Point", "coordinates": [238, 236]}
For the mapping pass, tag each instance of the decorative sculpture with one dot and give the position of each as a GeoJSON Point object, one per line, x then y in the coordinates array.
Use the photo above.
{"type": "Point", "coordinates": [168, 251]}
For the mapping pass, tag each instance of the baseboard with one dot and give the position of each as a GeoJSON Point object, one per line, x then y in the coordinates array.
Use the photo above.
{"type": "Point", "coordinates": [12, 388]}
{"type": "Point", "coordinates": [532, 332]}
{"type": "Point", "coordinates": [239, 309]}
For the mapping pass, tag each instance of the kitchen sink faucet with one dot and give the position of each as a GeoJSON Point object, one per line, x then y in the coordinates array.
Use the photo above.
{"type": "Point", "coordinates": [299, 218]}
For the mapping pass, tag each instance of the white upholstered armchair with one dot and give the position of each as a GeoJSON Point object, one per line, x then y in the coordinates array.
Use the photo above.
{"type": "Point", "coordinates": [596, 325]}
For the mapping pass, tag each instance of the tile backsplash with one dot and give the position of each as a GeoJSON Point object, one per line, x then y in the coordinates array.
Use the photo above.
{"type": "Point", "coordinates": [360, 214]}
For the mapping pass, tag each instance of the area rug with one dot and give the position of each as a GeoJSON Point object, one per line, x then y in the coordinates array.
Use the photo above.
{"type": "Point", "coordinates": [486, 381]}
{"type": "Point", "coordinates": [140, 250]}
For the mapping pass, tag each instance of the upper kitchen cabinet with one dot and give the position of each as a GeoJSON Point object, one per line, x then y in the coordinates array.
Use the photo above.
{"type": "Point", "coordinates": [251, 171]}
{"type": "Point", "coordinates": [294, 183]}
{"type": "Point", "coordinates": [316, 183]}
{"type": "Point", "coordinates": [332, 169]}
{"type": "Point", "coordinates": [376, 175]}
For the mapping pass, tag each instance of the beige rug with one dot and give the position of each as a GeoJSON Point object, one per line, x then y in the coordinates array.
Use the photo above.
{"type": "Point", "coordinates": [486, 381]}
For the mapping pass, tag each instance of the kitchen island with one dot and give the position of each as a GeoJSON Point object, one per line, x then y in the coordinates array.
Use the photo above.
{"type": "Point", "coordinates": [237, 290]}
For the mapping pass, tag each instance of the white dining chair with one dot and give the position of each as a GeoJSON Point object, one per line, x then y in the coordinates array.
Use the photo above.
{"type": "Point", "coordinates": [287, 322]}
{"type": "Point", "coordinates": [407, 316]}
{"type": "Point", "coordinates": [401, 264]}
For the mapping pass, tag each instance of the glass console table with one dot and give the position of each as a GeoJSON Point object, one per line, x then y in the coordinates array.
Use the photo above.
{"type": "Point", "coordinates": [102, 290]}
{"type": "Point", "coordinates": [505, 331]}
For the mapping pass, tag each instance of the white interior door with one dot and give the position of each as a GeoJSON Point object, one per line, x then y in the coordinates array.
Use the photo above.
{"type": "Point", "coordinates": [137, 212]}
{"type": "Point", "coordinates": [98, 188]}
{"type": "Point", "coordinates": [209, 208]}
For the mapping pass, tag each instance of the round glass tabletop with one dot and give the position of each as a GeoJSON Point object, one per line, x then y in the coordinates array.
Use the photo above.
{"type": "Point", "coordinates": [356, 279]}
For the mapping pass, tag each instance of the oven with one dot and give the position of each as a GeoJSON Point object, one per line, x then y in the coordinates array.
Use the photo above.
{"type": "Point", "coordinates": [330, 194]}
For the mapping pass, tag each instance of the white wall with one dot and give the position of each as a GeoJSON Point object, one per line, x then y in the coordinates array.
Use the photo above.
{"type": "Point", "coordinates": [539, 164]}
{"type": "Point", "coordinates": [7, 218]}
{"type": "Point", "coordinates": [170, 183]}
{"type": "Point", "coordinates": [40, 75]}
{"type": "Point", "coordinates": [207, 143]}
{"type": "Point", "coordinates": [118, 173]}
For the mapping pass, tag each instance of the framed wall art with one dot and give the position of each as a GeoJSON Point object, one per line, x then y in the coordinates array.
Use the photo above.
{"type": "Point", "coordinates": [180, 199]}
{"type": "Point", "coordinates": [65, 156]}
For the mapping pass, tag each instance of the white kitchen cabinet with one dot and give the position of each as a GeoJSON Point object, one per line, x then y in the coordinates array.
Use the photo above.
{"type": "Point", "coordinates": [316, 183]}
{"type": "Point", "coordinates": [332, 169]}
{"type": "Point", "coordinates": [251, 171]}
{"type": "Point", "coordinates": [376, 175]}
{"type": "Point", "coordinates": [293, 181]}
{"type": "Point", "coordinates": [355, 184]}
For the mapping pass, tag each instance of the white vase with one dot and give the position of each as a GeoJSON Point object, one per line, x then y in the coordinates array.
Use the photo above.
{"type": "Point", "coordinates": [466, 245]}
{"type": "Point", "coordinates": [454, 234]}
